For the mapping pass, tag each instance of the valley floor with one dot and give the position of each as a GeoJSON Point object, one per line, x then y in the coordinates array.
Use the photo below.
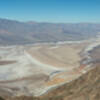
{"type": "Point", "coordinates": [33, 70]}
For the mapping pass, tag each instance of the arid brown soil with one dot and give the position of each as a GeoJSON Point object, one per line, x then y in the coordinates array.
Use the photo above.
{"type": "Point", "coordinates": [58, 56]}
{"type": "Point", "coordinates": [7, 62]}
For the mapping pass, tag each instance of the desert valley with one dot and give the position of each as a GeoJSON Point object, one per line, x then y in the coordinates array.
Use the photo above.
{"type": "Point", "coordinates": [36, 69]}
{"type": "Point", "coordinates": [45, 58]}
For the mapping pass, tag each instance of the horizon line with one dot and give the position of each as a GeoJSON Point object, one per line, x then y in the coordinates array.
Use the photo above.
{"type": "Point", "coordinates": [53, 22]}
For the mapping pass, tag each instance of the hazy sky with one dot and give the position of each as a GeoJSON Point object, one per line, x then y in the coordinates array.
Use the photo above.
{"type": "Point", "coordinates": [51, 10]}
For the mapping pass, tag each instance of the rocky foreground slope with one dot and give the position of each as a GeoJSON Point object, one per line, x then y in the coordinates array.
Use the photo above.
{"type": "Point", "coordinates": [87, 87]}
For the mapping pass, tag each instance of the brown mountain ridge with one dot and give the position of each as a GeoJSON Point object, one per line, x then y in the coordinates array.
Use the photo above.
{"type": "Point", "coordinates": [16, 32]}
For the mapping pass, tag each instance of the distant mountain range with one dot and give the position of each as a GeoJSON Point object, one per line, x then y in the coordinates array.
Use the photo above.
{"type": "Point", "coordinates": [15, 32]}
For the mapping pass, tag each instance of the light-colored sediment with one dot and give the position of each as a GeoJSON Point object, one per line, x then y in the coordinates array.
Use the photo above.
{"type": "Point", "coordinates": [60, 57]}
{"type": "Point", "coordinates": [34, 70]}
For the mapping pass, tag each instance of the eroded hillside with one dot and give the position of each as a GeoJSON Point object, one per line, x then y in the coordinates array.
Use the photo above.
{"type": "Point", "coordinates": [87, 87]}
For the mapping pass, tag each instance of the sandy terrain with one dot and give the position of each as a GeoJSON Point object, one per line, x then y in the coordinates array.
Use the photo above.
{"type": "Point", "coordinates": [62, 56]}
{"type": "Point", "coordinates": [35, 69]}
